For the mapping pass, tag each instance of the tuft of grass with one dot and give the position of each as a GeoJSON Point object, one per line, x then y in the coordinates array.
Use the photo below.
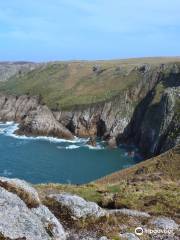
{"type": "Point", "coordinates": [24, 195]}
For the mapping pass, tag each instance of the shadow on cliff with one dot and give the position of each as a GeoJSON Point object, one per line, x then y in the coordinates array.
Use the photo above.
{"type": "Point", "coordinates": [132, 133]}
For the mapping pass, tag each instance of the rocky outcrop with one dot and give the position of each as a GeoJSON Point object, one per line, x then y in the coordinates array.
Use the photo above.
{"type": "Point", "coordinates": [23, 190]}
{"type": "Point", "coordinates": [19, 221]}
{"type": "Point", "coordinates": [34, 118]}
{"type": "Point", "coordinates": [50, 222]}
{"type": "Point", "coordinates": [77, 207]}
{"type": "Point", "coordinates": [9, 69]}
{"type": "Point", "coordinates": [42, 122]}
{"type": "Point", "coordinates": [129, 212]}
{"type": "Point", "coordinates": [165, 223]}
{"type": "Point", "coordinates": [129, 236]}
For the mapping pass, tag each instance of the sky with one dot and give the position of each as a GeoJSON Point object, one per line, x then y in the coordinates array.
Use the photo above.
{"type": "Point", "coordinates": [46, 30]}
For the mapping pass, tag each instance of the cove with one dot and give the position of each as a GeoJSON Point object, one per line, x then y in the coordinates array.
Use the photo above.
{"type": "Point", "coordinates": [47, 159]}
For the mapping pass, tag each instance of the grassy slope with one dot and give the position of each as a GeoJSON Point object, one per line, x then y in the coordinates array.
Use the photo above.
{"type": "Point", "coordinates": [66, 84]}
{"type": "Point", "coordinates": [152, 186]}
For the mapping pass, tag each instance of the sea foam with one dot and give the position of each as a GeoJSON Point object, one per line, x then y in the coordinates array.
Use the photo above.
{"type": "Point", "coordinates": [9, 129]}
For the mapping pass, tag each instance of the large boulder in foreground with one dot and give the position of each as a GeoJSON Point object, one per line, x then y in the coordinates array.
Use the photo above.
{"type": "Point", "coordinates": [50, 222]}
{"type": "Point", "coordinates": [77, 207]}
{"type": "Point", "coordinates": [165, 223]}
{"type": "Point", "coordinates": [17, 221]}
{"type": "Point", "coordinates": [22, 216]}
{"type": "Point", "coordinates": [22, 189]}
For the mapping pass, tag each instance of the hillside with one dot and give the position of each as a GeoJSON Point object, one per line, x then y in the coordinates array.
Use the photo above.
{"type": "Point", "coordinates": [63, 85]}
{"type": "Point", "coordinates": [151, 186]}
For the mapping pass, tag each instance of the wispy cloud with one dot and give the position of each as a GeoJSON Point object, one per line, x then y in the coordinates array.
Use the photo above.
{"type": "Point", "coordinates": [81, 28]}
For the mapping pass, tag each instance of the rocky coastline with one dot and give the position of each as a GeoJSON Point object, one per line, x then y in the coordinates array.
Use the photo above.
{"type": "Point", "coordinates": [146, 114]}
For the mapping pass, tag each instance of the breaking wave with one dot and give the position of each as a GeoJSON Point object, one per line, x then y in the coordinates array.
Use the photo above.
{"type": "Point", "coordinates": [9, 129]}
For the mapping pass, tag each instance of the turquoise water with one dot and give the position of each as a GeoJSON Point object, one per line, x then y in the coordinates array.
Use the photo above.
{"type": "Point", "coordinates": [43, 159]}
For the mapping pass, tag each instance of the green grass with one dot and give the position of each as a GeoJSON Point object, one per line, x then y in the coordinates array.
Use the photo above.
{"type": "Point", "coordinates": [68, 84]}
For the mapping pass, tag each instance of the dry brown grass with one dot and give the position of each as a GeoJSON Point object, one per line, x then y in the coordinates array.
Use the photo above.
{"type": "Point", "coordinates": [30, 201]}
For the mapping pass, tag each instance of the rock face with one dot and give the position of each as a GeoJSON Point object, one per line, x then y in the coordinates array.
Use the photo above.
{"type": "Point", "coordinates": [154, 130]}
{"type": "Point", "coordinates": [77, 207]}
{"type": "Point", "coordinates": [34, 118]}
{"type": "Point", "coordinates": [8, 69]}
{"type": "Point", "coordinates": [50, 222]}
{"type": "Point", "coordinates": [42, 122]}
{"type": "Point", "coordinates": [128, 212]}
{"type": "Point", "coordinates": [165, 223]}
{"type": "Point", "coordinates": [129, 236]}
{"type": "Point", "coordinates": [155, 126]}
{"type": "Point", "coordinates": [19, 221]}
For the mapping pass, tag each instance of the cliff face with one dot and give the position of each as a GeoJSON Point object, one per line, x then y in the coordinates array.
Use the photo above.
{"type": "Point", "coordinates": [155, 125]}
{"type": "Point", "coordinates": [146, 112]}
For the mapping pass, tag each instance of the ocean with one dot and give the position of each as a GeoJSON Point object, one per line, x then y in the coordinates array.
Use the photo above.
{"type": "Point", "coordinates": [48, 159]}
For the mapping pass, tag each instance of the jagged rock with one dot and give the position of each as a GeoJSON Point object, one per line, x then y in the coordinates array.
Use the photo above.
{"type": "Point", "coordinates": [129, 212]}
{"type": "Point", "coordinates": [77, 206]}
{"type": "Point", "coordinates": [17, 221]}
{"type": "Point", "coordinates": [129, 236]}
{"type": "Point", "coordinates": [92, 141]}
{"type": "Point", "coordinates": [112, 143]}
{"type": "Point", "coordinates": [165, 223]}
{"type": "Point", "coordinates": [34, 118]}
{"type": "Point", "coordinates": [22, 189]}
{"type": "Point", "coordinates": [8, 69]}
{"type": "Point", "coordinates": [85, 236]}
{"type": "Point", "coordinates": [42, 122]}
{"type": "Point", "coordinates": [50, 222]}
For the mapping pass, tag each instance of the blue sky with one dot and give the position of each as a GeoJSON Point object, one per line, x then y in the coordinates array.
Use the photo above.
{"type": "Point", "coordinates": [42, 30]}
